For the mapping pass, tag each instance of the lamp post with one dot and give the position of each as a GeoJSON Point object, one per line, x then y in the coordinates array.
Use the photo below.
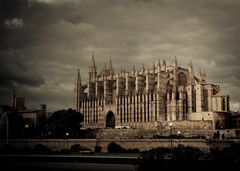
{"type": "Point", "coordinates": [7, 127]}
{"type": "Point", "coordinates": [171, 126]}
{"type": "Point", "coordinates": [67, 134]}
{"type": "Point", "coordinates": [179, 133]}
{"type": "Point", "coordinates": [26, 133]}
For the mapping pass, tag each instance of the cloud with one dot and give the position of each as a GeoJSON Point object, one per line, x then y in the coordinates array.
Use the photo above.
{"type": "Point", "coordinates": [16, 71]}
{"type": "Point", "coordinates": [44, 42]}
{"type": "Point", "coordinates": [14, 23]}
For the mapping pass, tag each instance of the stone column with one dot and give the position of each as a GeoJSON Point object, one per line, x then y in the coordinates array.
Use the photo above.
{"type": "Point", "coordinates": [189, 98]}
{"type": "Point", "coordinates": [180, 107]}
{"type": "Point", "coordinates": [199, 98]}
{"type": "Point", "coordinates": [173, 107]}
{"type": "Point", "coordinates": [168, 107]}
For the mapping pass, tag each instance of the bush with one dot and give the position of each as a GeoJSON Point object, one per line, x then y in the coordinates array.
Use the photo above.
{"type": "Point", "coordinates": [8, 149]}
{"type": "Point", "coordinates": [98, 149]}
{"type": "Point", "coordinates": [231, 153]}
{"type": "Point", "coordinates": [156, 153]}
{"type": "Point", "coordinates": [132, 150]}
{"type": "Point", "coordinates": [180, 153]}
{"type": "Point", "coordinates": [115, 148]}
{"type": "Point", "coordinates": [187, 153]}
{"type": "Point", "coordinates": [78, 147]}
{"type": "Point", "coordinates": [64, 151]}
{"type": "Point", "coordinates": [42, 149]}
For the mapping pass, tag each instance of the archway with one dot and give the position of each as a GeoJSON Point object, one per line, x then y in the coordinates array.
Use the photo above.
{"type": "Point", "coordinates": [110, 120]}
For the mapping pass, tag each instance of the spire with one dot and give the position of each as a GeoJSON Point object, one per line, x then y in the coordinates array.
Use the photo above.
{"type": "Point", "coordinates": [143, 68]}
{"type": "Point", "coordinates": [175, 64]}
{"type": "Point", "coordinates": [204, 73]}
{"type": "Point", "coordinates": [133, 70]}
{"type": "Point", "coordinates": [105, 68]}
{"type": "Point", "coordinates": [191, 73]}
{"type": "Point", "coordinates": [159, 63]}
{"type": "Point", "coordinates": [163, 65]}
{"type": "Point", "coordinates": [79, 76]}
{"type": "Point", "coordinates": [92, 66]}
{"type": "Point", "coordinates": [190, 66]}
{"type": "Point", "coordinates": [153, 67]}
{"type": "Point", "coordinates": [200, 73]}
{"type": "Point", "coordinates": [110, 63]}
{"type": "Point", "coordinates": [110, 66]}
{"type": "Point", "coordinates": [77, 91]}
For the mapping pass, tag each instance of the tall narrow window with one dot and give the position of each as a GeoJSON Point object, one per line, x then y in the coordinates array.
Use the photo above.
{"type": "Point", "coordinates": [228, 109]}
{"type": "Point", "coordinates": [223, 104]}
{"type": "Point", "coordinates": [194, 101]}
{"type": "Point", "coordinates": [205, 100]}
{"type": "Point", "coordinates": [182, 79]}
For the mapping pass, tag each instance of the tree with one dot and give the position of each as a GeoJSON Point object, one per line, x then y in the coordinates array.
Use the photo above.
{"type": "Point", "coordinates": [62, 122]}
{"type": "Point", "coordinates": [15, 126]}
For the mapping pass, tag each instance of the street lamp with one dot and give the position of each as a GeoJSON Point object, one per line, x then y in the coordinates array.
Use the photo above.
{"type": "Point", "coordinates": [26, 129]}
{"type": "Point", "coordinates": [67, 134]}
{"type": "Point", "coordinates": [179, 133]}
{"type": "Point", "coordinates": [171, 126]}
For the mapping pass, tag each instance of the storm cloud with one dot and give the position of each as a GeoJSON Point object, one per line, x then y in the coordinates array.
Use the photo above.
{"type": "Point", "coordinates": [44, 42]}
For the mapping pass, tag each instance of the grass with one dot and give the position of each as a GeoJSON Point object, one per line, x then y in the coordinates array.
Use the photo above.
{"type": "Point", "coordinates": [108, 154]}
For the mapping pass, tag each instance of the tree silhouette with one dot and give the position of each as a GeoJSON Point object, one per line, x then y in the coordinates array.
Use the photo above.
{"type": "Point", "coordinates": [63, 121]}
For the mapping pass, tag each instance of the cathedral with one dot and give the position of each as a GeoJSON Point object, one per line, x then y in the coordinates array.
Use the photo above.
{"type": "Point", "coordinates": [150, 98]}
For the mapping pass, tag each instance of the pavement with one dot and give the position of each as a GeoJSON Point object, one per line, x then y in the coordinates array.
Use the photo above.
{"type": "Point", "coordinates": [67, 163]}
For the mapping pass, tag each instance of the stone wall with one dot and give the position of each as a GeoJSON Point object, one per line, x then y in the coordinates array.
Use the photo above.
{"type": "Point", "coordinates": [141, 144]}
{"type": "Point", "coordinates": [125, 133]}
{"type": "Point", "coordinates": [54, 144]}
{"type": "Point", "coordinates": [147, 144]}
{"type": "Point", "coordinates": [142, 125]}
{"type": "Point", "coordinates": [118, 134]}
{"type": "Point", "coordinates": [137, 138]}
{"type": "Point", "coordinates": [188, 125]}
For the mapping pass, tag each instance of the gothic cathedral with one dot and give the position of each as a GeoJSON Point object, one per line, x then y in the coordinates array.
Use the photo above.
{"type": "Point", "coordinates": [150, 98]}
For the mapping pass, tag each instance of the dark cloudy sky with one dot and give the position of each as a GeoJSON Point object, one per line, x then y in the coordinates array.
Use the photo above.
{"type": "Point", "coordinates": [42, 43]}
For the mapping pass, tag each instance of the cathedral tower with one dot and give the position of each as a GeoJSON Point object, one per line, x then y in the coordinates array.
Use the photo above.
{"type": "Point", "coordinates": [78, 92]}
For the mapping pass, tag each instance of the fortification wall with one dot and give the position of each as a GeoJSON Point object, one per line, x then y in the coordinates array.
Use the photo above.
{"type": "Point", "coordinates": [137, 138]}
{"type": "Point", "coordinates": [117, 134]}
{"type": "Point", "coordinates": [190, 125]}
{"type": "Point", "coordinates": [141, 144]}
{"type": "Point", "coordinates": [154, 125]}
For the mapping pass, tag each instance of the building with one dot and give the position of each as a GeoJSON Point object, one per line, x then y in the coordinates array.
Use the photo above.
{"type": "Point", "coordinates": [236, 120]}
{"type": "Point", "coordinates": [150, 98]}
{"type": "Point", "coordinates": [18, 103]}
{"type": "Point", "coordinates": [30, 116]}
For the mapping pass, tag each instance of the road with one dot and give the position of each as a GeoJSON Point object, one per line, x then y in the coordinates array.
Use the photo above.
{"type": "Point", "coordinates": [63, 166]}
{"type": "Point", "coordinates": [67, 162]}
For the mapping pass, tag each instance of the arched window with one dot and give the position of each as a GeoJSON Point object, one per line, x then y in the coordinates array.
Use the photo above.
{"type": "Point", "coordinates": [182, 79]}
{"type": "Point", "coordinates": [110, 120]}
{"type": "Point", "coordinates": [223, 104]}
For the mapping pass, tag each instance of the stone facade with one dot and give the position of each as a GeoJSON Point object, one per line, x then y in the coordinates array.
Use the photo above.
{"type": "Point", "coordinates": [141, 144]}
{"type": "Point", "coordinates": [147, 98]}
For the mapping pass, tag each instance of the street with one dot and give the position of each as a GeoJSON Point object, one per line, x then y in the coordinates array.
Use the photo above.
{"type": "Point", "coordinates": [45, 166]}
